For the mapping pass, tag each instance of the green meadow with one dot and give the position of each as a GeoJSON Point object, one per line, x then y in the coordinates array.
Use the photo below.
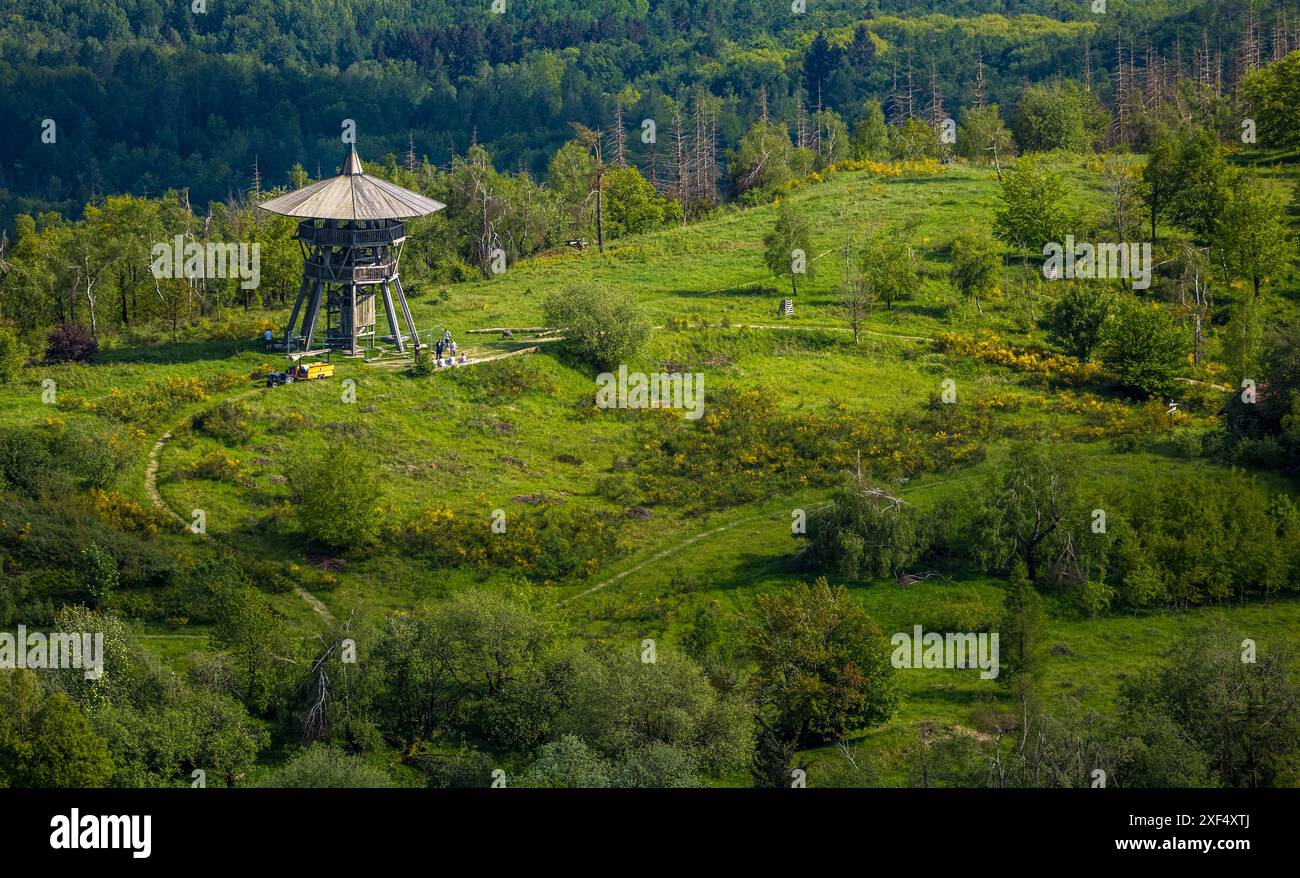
{"type": "Point", "coordinates": [523, 434]}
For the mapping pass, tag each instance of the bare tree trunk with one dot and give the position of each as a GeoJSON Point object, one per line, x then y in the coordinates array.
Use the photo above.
{"type": "Point", "coordinates": [682, 183]}
{"type": "Point", "coordinates": [620, 136]}
{"type": "Point", "coordinates": [600, 212]}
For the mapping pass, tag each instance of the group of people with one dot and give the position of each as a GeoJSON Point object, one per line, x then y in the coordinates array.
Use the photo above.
{"type": "Point", "coordinates": [445, 344]}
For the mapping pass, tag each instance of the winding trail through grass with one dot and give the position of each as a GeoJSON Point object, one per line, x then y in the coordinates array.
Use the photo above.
{"type": "Point", "coordinates": [156, 498]}
{"type": "Point", "coordinates": [660, 555]}
{"type": "Point", "coordinates": [817, 328]}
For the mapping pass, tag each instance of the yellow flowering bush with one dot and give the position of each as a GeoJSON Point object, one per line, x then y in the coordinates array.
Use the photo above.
{"type": "Point", "coordinates": [746, 446]}
{"type": "Point", "coordinates": [217, 466]}
{"type": "Point", "coordinates": [1114, 418]}
{"type": "Point", "coordinates": [897, 169]}
{"type": "Point", "coordinates": [124, 513]}
{"type": "Point", "coordinates": [160, 396]}
{"type": "Point", "coordinates": [545, 543]}
{"type": "Point", "coordinates": [987, 348]}
{"type": "Point", "coordinates": [75, 402]}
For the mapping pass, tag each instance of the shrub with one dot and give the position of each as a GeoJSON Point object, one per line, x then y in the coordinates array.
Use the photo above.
{"type": "Point", "coordinates": [658, 766]}
{"type": "Point", "coordinates": [967, 611]}
{"type": "Point", "coordinates": [331, 507]}
{"type": "Point", "coordinates": [423, 364]}
{"type": "Point", "coordinates": [1144, 348]}
{"type": "Point", "coordinates": [1058, 116]}
{"type": "Point", "coordinates": [160, 396]}
{"type": "Point", "coordinates": [126, 514]}
{"type": "Point", "coordinates": [289, 422]}
{"type": "Point", "coordinates": [12, 356]}
{"type": "Point", "coordinates": [101, 573]}
{"type": "Point", "coordinates": [915, 141]}
{"type": "Point", "coordinates": [504, 380]}
{"type": "Point", "coordinates": [864, 533]}
{"type": "Point", "coordinates": [545, 544]}
{"type": "Point", "coordinates": [604, 327]}
{"type": "Point", "coordinates": [321, 767]}
{"type": "Point", "coordinates": [71, 342]}
{"type": "Point", "coordinates": [228, 421]}
{"type": "Point", "coordinates": [1075, 320]}
{"type": "Point", "coordinates": [94, 456]}
{"type": "Point", "coordinates": [465, 768]}
{"type": "Point", "coordinates": [1093, 598]}
{"type": "Point", "coordinates": [987, 348]}
{"type": "Point", "coordinates": [746, 445]}
{"type": "Point", "coordinates": [567, 764]}
{"type": "Point", "coordinates": [976, 267]}
{"type": "Point", "coordinates": [46, 740]}
{"type": "Point", "coordinates": [453, 269]}
{"type": "Point", "coordinates": [217, 467]}
{"type": "Point", "coordinates": [25, 460]}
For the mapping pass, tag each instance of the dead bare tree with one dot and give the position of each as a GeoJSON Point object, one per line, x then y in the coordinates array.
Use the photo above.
{"type": "Point", "coordinates": [1194, 297]}
{"type": "Point", "coordinates": [936, 111]}
{"type": "Point", "coordinates": [699, 161]}
{"type": "Point", "coordinates": [681, 148]}
{"type": "Point", "coordinates": [317, 686]}
{"type": "Point", "coordinates": [859, 297]}
{"type": "Point", "coordinates": [1120, 181]}
{"type": "Point", "coordinates": [591, 138]}
{"type": "Point", "coordinates": [410, 162]}
{"type": "Point", "coordinates": [895, 100]}
{"type": "Point", "coordinates": [800, 124]}
{"type": "Point", "coordinates": [316, 720]}
{"type": "Point", "coordinates": [1123, 84]}
{"type": "Point", "coordinates": [911, 90]}
{"type": "Point", "coordinates": [997, 164]}
{"type": "Point", "coordinates": [491, 207]}
{"type": "Point", "coordinates": [619, 136]}
{"type": "Point", "coordinates": [1248, 50]}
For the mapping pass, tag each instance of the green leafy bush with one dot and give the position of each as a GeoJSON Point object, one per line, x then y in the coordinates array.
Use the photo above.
{"type": "Point", "coordinates": [12, 355]}
{"type": "Point", "coordinates": [545, 544]}
{"type": "Point", "coordinates": [1144, 348]}
{"type": "Point", "coordinates": [864, 533]}
{"type": "Point", "coordinates": [322, 767]}
{"type": "Point", "coordinates": [216, 466]}
{"type": "Point", "coordinates": [332, 506]}
{"type": "Point", "coordinates": [602, 326]}
{"type": "Point", "coordinates": [229, 420]}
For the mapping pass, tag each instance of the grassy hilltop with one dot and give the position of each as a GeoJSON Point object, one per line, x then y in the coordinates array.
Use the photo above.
{"type": "Point", "coordinates": [658, 523]}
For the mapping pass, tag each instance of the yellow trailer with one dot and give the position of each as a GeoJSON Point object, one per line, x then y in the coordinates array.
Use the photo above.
{"type": "Point", "coordinates": [312, 371]}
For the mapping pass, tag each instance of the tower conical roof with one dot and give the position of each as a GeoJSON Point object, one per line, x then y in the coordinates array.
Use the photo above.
{"type": "Point", "coordinates": [353, 195]}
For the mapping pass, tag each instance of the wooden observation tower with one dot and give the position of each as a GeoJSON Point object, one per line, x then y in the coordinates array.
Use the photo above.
{"type": "Point", "coordinates": [351, 238]}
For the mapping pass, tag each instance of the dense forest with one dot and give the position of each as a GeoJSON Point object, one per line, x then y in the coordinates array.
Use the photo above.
{"type": "Point", "coordinates": [463, 105]}
{"type": "Point", "coordinates": [149, 96]}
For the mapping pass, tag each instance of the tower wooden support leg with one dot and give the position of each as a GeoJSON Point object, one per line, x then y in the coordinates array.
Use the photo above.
{"type": "Point", "coordinates": [406, 311]}
{"type": "Point", "coordinates": [293, 317]}
{"type": "Point", "coordinates": [392, 318]}
{"type": "Point", "coordinates": [352, 319]}
{"type": "Point", "coordinates": [313, 313]}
